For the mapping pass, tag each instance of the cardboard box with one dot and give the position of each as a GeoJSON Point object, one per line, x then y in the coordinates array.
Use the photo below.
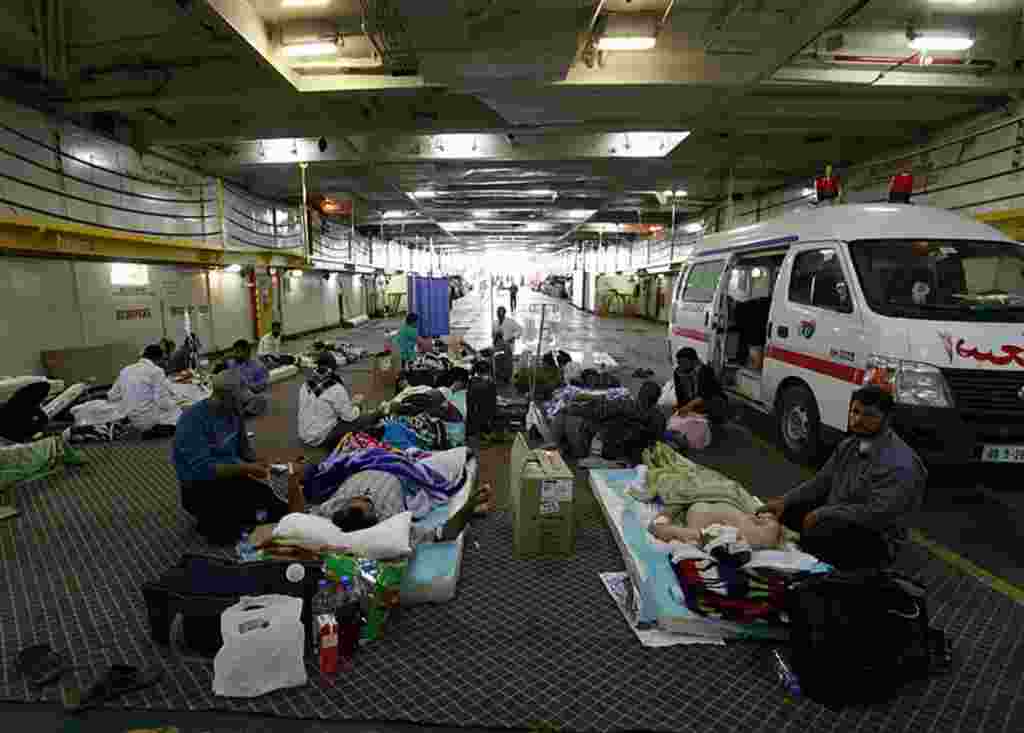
{"type": "Point", "coordinates": [542, 491]}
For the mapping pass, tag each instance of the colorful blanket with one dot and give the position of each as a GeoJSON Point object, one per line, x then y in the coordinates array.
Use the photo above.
{"type": "Point", "coordinates": [323, 479]}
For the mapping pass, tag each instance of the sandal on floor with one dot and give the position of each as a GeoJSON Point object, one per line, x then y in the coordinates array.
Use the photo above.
{"type": "Point", "coordinates": [40, 665]}
{"type": "Point", "coordinates": [119, 679]}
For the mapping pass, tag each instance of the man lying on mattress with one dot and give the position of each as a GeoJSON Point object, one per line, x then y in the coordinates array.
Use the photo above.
{"type": "Point", "coordinates": [367, 497]}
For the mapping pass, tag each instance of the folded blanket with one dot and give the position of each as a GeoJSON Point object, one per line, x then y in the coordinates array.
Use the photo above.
{"type": "Point", "coordinates": [681, 483]}
{"type": "Point", "coordinates": [323, 479]}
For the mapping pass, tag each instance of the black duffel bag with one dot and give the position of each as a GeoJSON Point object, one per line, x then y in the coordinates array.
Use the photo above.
{"type": "Point", "coordinates": [858, 637]}
{"type": "Point", "coordinates": [200, 588]}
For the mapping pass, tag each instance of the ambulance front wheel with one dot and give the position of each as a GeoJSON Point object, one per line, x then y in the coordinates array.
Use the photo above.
{"type": "Point", "coordinates": [799, 424]}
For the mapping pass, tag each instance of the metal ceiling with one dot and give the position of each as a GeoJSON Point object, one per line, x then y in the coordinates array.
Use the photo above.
{"type": "Point", "coordinates": [505, 109]}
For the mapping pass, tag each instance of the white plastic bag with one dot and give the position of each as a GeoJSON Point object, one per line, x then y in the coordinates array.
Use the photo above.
{"type": "Point", "coordinates": [667, 400]}
{"type": "Point", "coordinates": [264, 645]}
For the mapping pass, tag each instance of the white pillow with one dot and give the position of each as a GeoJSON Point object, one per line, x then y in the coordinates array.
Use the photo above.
{"type": "Point", "coordinates": [383, 541]}
{"type": "Point", "coordinates": [448, 463]}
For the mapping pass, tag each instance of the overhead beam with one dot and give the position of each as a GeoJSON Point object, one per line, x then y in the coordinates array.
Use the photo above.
{"type": "Point", "coordinates": [935, 82]}
{"type": "Point", "coordinates": [243, 20]}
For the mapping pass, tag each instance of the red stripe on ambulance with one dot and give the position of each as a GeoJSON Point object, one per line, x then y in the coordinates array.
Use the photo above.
{"type": "Point", "coordinates": [842, 372]}
{"type": "Point", "coordinates": [690, 333]}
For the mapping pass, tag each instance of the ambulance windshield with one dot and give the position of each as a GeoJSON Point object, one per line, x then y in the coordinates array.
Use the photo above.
{"type": "Point", "coordinates": [933, 279]}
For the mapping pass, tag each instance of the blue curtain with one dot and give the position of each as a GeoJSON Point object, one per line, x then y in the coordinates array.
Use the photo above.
{"type": "Point", "coordinates": [429, 299]}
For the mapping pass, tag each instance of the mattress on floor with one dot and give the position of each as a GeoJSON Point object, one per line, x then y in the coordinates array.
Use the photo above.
{"type": "Point", "coordinates": [281, 373]}
{"type": "Point", "coordinates": [657, 599]}
{"type": "Point", "coordinates": [434, 567]}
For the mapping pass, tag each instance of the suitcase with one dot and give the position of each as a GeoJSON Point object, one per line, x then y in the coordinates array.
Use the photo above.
{"type": "Point", "coordinates": [201, 587]}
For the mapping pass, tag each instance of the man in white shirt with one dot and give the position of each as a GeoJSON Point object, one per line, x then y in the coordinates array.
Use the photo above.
{"type": "Point", "coordinates": [145, 394]}
{"type": "Point", "coordinates": [506, 331]}
{"type": "Point", "coordinates": [270, 344]}
{"type": "Point", "coordinates": [506, 328]}
{"type": "Point", "coordinates": [326, 411]}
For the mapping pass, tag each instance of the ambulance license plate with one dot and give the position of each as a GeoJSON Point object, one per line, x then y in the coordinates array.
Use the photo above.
{"type": "Point", "coordinates": [1003, 454]}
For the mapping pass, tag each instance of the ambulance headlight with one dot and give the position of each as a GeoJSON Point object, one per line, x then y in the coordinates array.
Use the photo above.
{"type": "Point", "coordinates": [910, 382]}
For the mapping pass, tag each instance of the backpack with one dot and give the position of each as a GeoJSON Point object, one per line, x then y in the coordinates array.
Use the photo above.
{"type": "Point", "coordinates": [858, 637]}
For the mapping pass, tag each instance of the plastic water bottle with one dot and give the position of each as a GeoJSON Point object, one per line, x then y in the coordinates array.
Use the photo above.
{"type": "Point", "coordinates": [246, 551]}
{"type": "Point", "coordinates": [349, 613]}
{"type": "Point", "coordinates": [325, 627]}
{"type": "Point", "coordinates": [786, 676]}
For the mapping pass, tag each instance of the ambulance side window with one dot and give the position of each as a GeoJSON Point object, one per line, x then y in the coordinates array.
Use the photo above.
{"type": "Point", "coordinates": [817, 280]}
{"type": "Point", "coordinates": [702, 282]}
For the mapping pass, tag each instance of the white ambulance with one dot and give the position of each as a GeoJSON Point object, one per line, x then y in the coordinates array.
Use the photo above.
{"type": "Point", "coordinates": [797, 312]}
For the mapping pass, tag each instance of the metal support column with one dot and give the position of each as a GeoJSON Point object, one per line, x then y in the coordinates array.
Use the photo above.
{"type": "Point", "coordinates": [730, 205]}
{"type": "Point", "coordinates": [307, 239]}
{"type": "Point", "coordinates": [672, 243]}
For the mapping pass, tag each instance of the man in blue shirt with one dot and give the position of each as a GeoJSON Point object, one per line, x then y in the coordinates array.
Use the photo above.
{"type": "Point", "coordinates": [223, 485]}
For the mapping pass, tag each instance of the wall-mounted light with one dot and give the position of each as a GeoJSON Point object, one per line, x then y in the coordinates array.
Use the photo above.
{"type": "Point", "coordinates": [939, 42]}
{"type": "Point", "coordinates": [694, 228]}
{"type": "Point", "coordinates": [482, 213]}
{"type": "Point", "coordinates": [628, 32]}
{"type": "Point", "coordinates": [805, 192]}
{"type": "Point", "coordinates": [310, 49]}
{"type": "Point", "coordinates": [394, 214]}
{"type": "Point", "coordinates": [233, 268]}
{"type": "Point", "coordinates": [295, 273]}
{"type": "Point", "coordinates": [424, 194]}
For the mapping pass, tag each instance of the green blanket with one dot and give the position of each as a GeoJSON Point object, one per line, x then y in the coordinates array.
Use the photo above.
{"type": "Point", "coordinates": [681, 483]}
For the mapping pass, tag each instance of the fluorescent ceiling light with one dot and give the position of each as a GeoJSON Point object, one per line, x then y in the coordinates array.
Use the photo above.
{"type": "Point", "coordinates": [626, 43]}
{"type": "Point", "coordinates": [315, 48]}
{"type": "Point", "coordinates": [305, 3]}
{"type": "Point", "coordinates": [481, 213]}
{"type": "Point", "coordinates": [941, 43]}
{"type": "Point", "coordinates": [694, 228]}
{"type": "Point", "coordinates": [667, 193]}
{"type": "Point", "coordinates": [578, 213]}
{"type": "Point", "coordinates": [807, 192]}
{"type": "Point", "coordinates": [424, 194]}
{"type": "Point", "coordinates": [350, 62]}
{"type": "Point", "coordinates": [540, 192]}
{"type": "Point", "coordinates": [233, 268]}
{"type": "Point", "coordinates": [394, 214]}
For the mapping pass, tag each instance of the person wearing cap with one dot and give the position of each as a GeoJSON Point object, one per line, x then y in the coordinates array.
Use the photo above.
{"type": "Point", "coordinates": [144, 393]}
{"type": "Point", "coordinates": [326, 410]}
{"type": "Point", "coordinates": [223, 485]}
{"type": "Point", "coordinates": [698, 391]}
{"type": "Point", "coordinates": [856, 511]}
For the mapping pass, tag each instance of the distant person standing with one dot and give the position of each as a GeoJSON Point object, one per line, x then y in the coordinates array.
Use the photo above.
{"type": "Point", "coordinates": [513, 296]}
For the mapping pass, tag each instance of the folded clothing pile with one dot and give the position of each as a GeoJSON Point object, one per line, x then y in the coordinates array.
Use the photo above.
{"type": "Point", "coordinates": [567, 395]}
{"type": "Point", "coordinates": [724, 579]}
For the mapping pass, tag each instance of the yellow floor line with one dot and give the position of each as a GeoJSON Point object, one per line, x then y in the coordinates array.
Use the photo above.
{"type": "Point", "coordinates": [964, 565]}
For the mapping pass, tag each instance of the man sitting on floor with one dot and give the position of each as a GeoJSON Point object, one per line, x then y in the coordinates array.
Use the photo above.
{"type": "Point", "coordinates": [269, 349]}
{"type": "Point", "coordinates": [223, 485]}
{"type": "Point", "coordinates": [698, 391]}
{"type": "Point", "coordinates": [254, 375]}
{"type": "Point", "coordinates": [146, 395]}
{"type": "Point", "coordinates": [854, 513]}
{"type": "Point", "coordinates": [326, 411]}
{"type": "Point", "coordinates": [370, 497]}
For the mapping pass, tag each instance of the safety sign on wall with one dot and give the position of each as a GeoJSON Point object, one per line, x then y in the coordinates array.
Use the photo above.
{"type": "Point", "coordinates": [133, 314]}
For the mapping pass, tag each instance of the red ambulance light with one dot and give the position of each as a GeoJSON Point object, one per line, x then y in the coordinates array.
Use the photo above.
{"type": "Point", "coordinates": [827, 188]}
{"type": "Point", "coordinates": [901, 186]}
